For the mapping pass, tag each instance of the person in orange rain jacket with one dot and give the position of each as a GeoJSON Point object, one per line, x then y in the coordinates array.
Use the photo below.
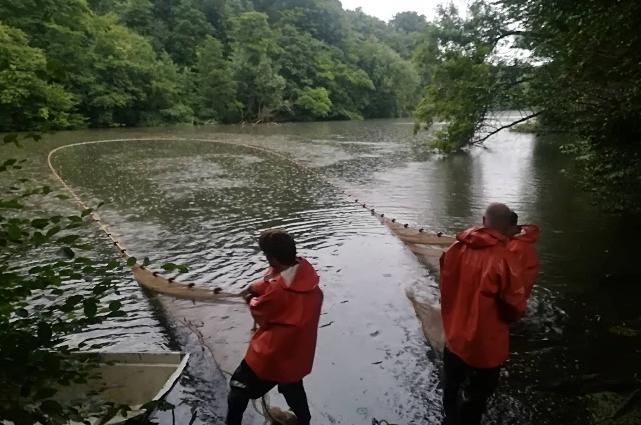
{"type": "Point", "coordinates": [286, 305]}
{"type": "Point", "coordinates": [522, 243]}
{"type": "Point", "coordinates": [482, 292]}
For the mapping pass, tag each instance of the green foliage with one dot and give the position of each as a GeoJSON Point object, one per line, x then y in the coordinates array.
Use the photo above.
{"type": "Point", "coordinates": [458, 89]}
{"type": "Point", "coordinates": [323, 19]}
{"type": "Point", "coordinates": [314, 102]}
{"type": "Point", "coordinates": [43, 304]}
{"type": "Point", "coordinates": [138, 15]}
{"type": "Point", "coordinates": [147, 62]}
{"type": "Point", "coordinates": [27, 99]}
{"type": "Point", "coordinates": [394, 80]}
{"type": "Point", "coordinates": [214, 89]}
{"type": "Point", "coordinates": [189, 26]}
{"type": "Point", "coordinates": [581, 77]}
{"type": "Point", "coordinates": [260, 87]}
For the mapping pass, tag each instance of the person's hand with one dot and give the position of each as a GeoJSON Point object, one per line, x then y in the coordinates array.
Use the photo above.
{"type": "Point", "coordinates": [247, 294]}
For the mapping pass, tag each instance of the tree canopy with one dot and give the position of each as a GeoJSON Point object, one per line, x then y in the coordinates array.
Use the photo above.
{"type": "Point", "coordinates": [101, 63]}
{"type": "Point", "coordinates": [572, 65]}
{"type": "Point", "coordinates": [108, 63]}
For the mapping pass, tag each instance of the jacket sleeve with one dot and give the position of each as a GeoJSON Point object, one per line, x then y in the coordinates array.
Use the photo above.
{"type": "Point", "coordinates": [270, 308]}
{"type": "Point", "coordinates": [512, 292]}
{"type": "Point", "coordinates": [526, 256]}
{"type": "Point", "coordinates": [258, 287]}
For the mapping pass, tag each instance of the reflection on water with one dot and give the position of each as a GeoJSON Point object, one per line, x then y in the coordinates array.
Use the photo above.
{"type": "Point", "coordinates": [203, 204]}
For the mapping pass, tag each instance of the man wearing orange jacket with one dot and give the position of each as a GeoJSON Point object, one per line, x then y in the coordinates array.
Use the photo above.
{"type": "Point", "coordinates": [286, 305]}
{"type": "Point", "coordinates": [482, 292]}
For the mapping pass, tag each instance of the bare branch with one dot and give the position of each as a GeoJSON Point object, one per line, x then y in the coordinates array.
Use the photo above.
{"type": "Point", "coordinates": [503, 127]}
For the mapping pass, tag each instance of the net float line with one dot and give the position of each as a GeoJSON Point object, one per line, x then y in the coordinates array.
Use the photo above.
{"type": "Point", "coordinates": [146, 277]}
{"type": "Point", "coordinates": [426, 245]}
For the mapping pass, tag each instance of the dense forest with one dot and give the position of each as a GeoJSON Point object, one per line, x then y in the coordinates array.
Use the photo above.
{"type": "Point", "coordinates": [99, 63]}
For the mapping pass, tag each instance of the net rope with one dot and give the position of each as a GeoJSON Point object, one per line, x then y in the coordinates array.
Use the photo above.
{"type": "Point", "coordinates": [426, 245]}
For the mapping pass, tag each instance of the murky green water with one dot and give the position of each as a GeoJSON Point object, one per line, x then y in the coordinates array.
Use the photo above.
{"type": "Point", "coordinates": [203, 204]}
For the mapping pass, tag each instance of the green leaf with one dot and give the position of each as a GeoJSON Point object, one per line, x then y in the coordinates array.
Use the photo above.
{"type": "Point", "coordinates": [34, 136]}
{"type": "Point", "coordinates": [169, 267]}
{"type": "Point", "coordinates": [25, 390]}
{"type": "Point", "coordinates": [86, 212]}
{"type": "Point", "coordinates": [44, 332]}
{"type": "Point", "coordinates": [51, 407]}
{"type": "Point", "coordinates": [74, 300]}
{"type": "Point", "coordinates": [67, 252]}
{"type": "Point", "coordinates": [21, 312]}
{"type": "Point", "coordinates": [99, 289]}
{"type": "Point", "coordinates": [46, 190]}
{"type": "Point", "coordinates": [115, 305]}
{"type": "Point", "coordinates": [131, 261]}
{"type": "Point", "coordinates": [112, 265]}
{"type": "Point", "coordinates": [52, 231]}
{"type": "Point", "coordinates": [146, 262]}
{"type": "Point", "coordinates": [39, 223]}
{"type": "Point", "coordinates": [14, 233]}
{"type": "Point", "coordinates": [38, 238]}
{"type": "Point", "coordinates": [68, 239]}
{"type": "Point", "coordinates": [10, 138]}
{"type": "Point", "coordinates": [90, 307]}
{"type": "Point", "coordinates": [182, 268]}
{"type": "Point", "coordinates": [11, 204]}
{"type": "Point", "coordinates": [44, 393]}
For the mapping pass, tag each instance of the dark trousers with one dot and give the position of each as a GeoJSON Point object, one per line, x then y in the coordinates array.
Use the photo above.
{"type": "Point", "coordinates": [466, 390]}
{"type": "Point", "coordinates": [245, 386]}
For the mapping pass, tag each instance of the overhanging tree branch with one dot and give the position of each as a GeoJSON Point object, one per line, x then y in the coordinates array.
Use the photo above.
{"type": "Point", "coordinates": [503, 127]}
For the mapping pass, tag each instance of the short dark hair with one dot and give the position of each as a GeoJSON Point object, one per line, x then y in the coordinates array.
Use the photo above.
{"type": "Point", "coordinates": [278, 244]}
{"type": "Point", "coordinates": [514, 218]}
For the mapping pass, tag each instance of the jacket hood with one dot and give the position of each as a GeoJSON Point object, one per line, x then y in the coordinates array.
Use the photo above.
{"type": "Point", "coordinates": [305, 280]}
{"type": "Point", "coordinates": [481, 237]}
{"type": "Point", "coordinates": [529, 233]}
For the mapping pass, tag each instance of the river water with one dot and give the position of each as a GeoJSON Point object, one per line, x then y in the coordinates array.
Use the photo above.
{"type": "Point", "coordinates": [203, 204]}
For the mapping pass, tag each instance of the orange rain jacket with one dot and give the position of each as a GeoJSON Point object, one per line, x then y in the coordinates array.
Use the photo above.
{"type": "Point", "coordinates": [522, 245]}
{"type": "Point", "coordinates": [282, 349]}
{"type": "Point", "coordinates": [482, 291]}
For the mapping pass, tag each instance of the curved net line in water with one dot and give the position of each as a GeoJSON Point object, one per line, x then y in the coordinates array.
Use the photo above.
{"type": "Point", "coordinates": [426, 245]}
